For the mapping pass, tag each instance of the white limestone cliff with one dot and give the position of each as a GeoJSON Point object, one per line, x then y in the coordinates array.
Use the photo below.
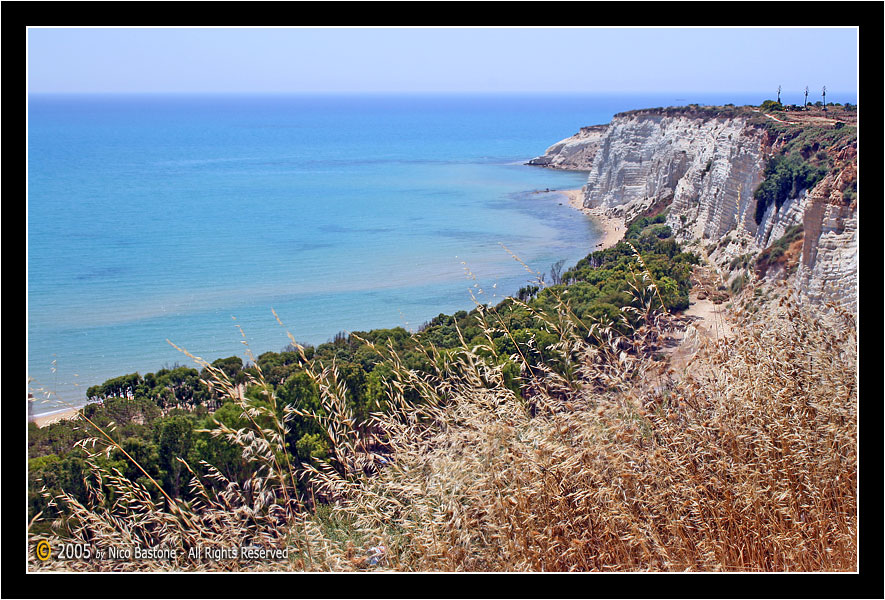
{"type": "Point", "coordinates": [706, 164]}
{"type": "Point", "coordinates": [574, 153]}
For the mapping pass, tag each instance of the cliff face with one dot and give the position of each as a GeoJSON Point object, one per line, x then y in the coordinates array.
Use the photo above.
{"type": "Point", "coordinates": [707, 167]}
{"type": "Point", "coordinates": [828, 267]}
{"type": "Point", "coordinates": [574, 153]}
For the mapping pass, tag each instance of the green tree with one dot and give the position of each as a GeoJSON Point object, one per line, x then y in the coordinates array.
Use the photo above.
{"type": "Point", "coordinates": [174, 438]}
{"type": "Point", "coordinates": [218, 451]}
{"type": "Point", "coordinates": [305, 434]}
{"type": "Point", "coordinates": [50, 475]}
{"type": "Point", "coordinates": [147, 454]}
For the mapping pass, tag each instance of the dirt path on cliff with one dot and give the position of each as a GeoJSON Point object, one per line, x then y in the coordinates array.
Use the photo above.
{"type": "Point", "coordinates": [809, 119]}
{"type": "Point", "coordinates": [770, 117]}
{"type": "Point", "coordinates": [705, 320]}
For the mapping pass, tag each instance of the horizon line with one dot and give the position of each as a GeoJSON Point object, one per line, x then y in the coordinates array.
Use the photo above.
{"type": "Point", "coordinates": [410, 92]}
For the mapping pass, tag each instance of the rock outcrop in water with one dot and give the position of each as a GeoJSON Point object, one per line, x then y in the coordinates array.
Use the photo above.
{"type": "Point", "coordinates": [706, 163]}
{"type": "Point", "coordinates": [574, 153]}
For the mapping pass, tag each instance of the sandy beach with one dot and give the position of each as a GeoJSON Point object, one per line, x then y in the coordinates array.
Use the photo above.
{"type": "Point", "coordinates": [44, 420]}
{"type": "Point", "coordinates": [613, 227]}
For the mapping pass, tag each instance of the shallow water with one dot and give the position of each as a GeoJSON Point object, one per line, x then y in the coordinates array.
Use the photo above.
{"type": "Point", "coordinates": [181, 217]}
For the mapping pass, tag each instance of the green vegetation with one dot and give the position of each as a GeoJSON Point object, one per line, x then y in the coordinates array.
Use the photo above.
{"type": "Point", "coordinates": [738, 283]}
{"type": "Point", "coordinates": [648, 226]}
{"type": "Point", "coordinates": [168, 414]}
{"type": "Point", "coordinates": [850, 193]}
{"type": "Point", "coordinates": [775, 253]}
{"type": "Point", "coordinates": [741, 262]}
{"type": "Point", "coordinates": [727, 111]}
{"type": "Point", "coordinates": [785, 176]}
{"type": "Point", "coordinates": [805, 157]}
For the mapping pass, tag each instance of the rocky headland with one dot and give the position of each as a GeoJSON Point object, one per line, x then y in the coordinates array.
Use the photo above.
{"type": "Point", "coordinates": [704, 165]}
{"type": "Point", "coordinates": [575, 153]}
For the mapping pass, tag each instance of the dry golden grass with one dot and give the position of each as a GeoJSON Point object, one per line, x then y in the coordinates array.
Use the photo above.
{"type": "Point", "coordinates": [749, 463]}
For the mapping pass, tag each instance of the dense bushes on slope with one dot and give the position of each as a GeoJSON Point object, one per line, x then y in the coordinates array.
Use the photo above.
{"type": "Point", "coordinates": [142, 409]}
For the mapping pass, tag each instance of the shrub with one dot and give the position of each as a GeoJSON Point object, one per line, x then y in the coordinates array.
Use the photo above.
{"type": "Point", "coordinates": [784, 177]}
{"type": "Point", "coordinates": [771, 105]}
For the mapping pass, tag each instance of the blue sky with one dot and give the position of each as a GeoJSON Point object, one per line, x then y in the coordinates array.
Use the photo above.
{"type": "Point", "coordinates": [396, 60]}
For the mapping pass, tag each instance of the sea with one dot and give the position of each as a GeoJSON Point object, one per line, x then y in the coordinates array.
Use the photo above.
{"type": "Point", "coordinates": [190, 218]}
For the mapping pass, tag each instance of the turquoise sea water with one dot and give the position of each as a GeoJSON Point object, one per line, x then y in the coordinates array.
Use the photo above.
{"type": "Point", "coordinates": [181, 217]}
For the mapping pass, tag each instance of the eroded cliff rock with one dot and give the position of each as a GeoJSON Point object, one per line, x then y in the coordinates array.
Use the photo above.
{"type": "Point", "coordinates": [707, 164]}
{"type": "Point", "coordinates": [574, 153]}
{"type": "Point", "coordinates": [828, 267]}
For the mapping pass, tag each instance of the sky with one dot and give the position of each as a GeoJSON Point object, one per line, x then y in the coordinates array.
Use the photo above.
{"type": "Point", "coordinates": [432, 60]}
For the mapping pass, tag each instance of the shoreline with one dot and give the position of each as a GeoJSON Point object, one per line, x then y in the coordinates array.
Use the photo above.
{"type": "Point", "coordinates": [55, 416]}
{"type": "Point", "coordinates": [613, 228]}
